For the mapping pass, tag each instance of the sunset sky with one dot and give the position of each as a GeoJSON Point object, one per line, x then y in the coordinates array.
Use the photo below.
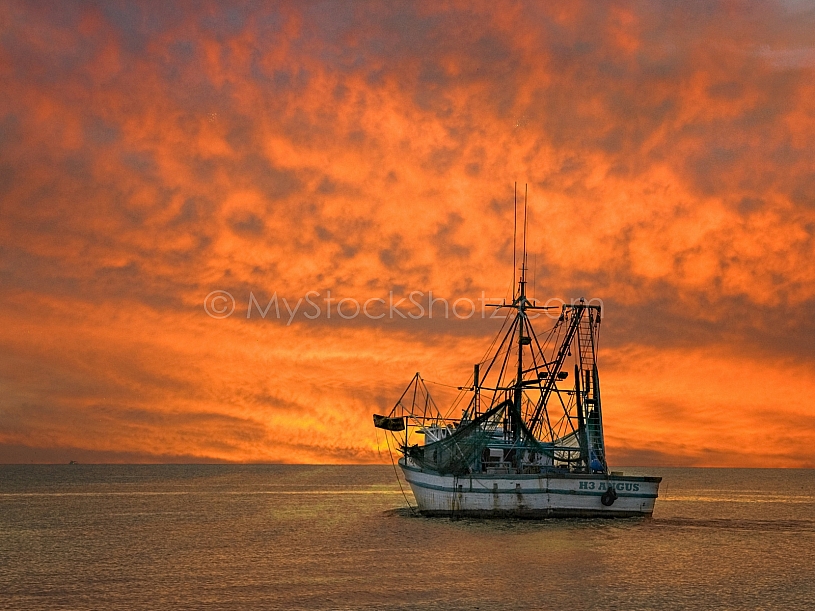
{"type": "Point", "coordinates": [153, 153]}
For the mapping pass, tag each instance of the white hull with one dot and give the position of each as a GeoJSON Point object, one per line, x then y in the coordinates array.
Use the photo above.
{"type": "Point", "coordinates": [530, 495]}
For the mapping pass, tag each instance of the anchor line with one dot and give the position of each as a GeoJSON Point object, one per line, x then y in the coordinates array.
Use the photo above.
{"type": "Point", "coordinates": [396, 473]}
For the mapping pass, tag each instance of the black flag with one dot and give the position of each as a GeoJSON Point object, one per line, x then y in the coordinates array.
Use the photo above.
{"type": "Point", "coordinates": [389, 424]}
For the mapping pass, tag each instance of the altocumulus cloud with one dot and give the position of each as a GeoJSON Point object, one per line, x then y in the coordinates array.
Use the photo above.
{"type": "Point", "coordinates": [150, 155]}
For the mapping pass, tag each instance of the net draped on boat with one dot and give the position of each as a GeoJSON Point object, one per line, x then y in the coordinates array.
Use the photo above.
{"type": "Point", "coordinates": [459, 451]}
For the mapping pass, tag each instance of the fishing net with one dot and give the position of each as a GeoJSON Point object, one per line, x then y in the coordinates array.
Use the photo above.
{"type": "Point", "coordinates": [456, 453]}
{"type": "Point", "coordinates": [460, 451]}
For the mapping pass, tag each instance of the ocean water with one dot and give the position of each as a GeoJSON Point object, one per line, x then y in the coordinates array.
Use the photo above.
{"type": "Point", "coordinates": [341, 537]}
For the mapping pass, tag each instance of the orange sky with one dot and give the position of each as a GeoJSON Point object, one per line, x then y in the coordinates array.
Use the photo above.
{"type": "Point", "coordinates": [150, 156]}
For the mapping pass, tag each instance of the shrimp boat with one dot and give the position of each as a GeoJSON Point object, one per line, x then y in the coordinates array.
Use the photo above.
{"type": "Point", "coordinates": [529, 442]}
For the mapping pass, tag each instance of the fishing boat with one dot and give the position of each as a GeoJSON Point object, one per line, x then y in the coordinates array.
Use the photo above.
{"type": "Point", "coordinates": [529, 440]}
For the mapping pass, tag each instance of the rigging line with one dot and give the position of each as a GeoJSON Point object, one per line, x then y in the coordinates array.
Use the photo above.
{"type": "Point", "coordinates": [432, 401]}
{"type": "Point", "coordinates": [597, 336]}
{"type": "Point", "coordinates": [500, 353]}
{"type": "Point", "coordinates": [494, 339]}
{"type": "Point", "coordinates": [526, 225]}
{"type": "Point", "coordinates": [507, 335]}
{"type": "Point", "coordinates": [561, 353]}
{"type": "Point", "coordinates": [535, 278]}
{"type": "Point", "coordinates": [396, 473]}
{"type": "Point", "coordinates": [495, 357]}
{"type": "Point", "coordinates": [459, 397]}
{"type": "Point", "coordinates": [412, 380]}
{"type": "Point", "coordinates": [412, 406]}
{"type": "Point", "coordinates": [456, 401]}
{"type": "Point", "coordinates": [553, 373]}
{"type": "Point", "coordinates": [428, 401]}
{"type": "Point", "coordinates": [427, 398]}
{"type": "Point", "coordinates": [500, 346]}
{"type": "Point", "coordinates": [440, 384]}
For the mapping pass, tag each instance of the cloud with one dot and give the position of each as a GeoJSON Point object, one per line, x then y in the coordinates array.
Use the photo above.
{"type": "Point", "coordinates": [148, 157]}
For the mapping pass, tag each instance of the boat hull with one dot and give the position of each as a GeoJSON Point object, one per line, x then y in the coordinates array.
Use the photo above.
{"type": "Point", "coordinates": [534, 496]}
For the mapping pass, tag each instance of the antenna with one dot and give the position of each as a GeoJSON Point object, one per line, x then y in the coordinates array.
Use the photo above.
{"type": "Point", "coordinates": [514, 234]}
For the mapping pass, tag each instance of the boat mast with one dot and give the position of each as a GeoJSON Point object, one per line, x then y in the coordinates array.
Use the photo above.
{"type": "Point", "coordinates": [522, 340]}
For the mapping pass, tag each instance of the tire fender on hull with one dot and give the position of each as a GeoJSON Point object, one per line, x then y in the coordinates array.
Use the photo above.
{"type": "Point", "coordinates": [609, 496]}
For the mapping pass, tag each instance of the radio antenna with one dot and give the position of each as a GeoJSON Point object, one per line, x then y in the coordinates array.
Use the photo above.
{"type": "Point", "coordinates": [514, 234]}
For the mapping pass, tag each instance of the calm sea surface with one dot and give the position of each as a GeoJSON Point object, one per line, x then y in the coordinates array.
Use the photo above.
{"type": "Point", "coordinates": [340, 537]}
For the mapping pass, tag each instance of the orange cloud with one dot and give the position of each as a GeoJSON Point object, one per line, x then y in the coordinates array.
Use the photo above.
{"type": "Point", "coordinates": [148, 158]}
